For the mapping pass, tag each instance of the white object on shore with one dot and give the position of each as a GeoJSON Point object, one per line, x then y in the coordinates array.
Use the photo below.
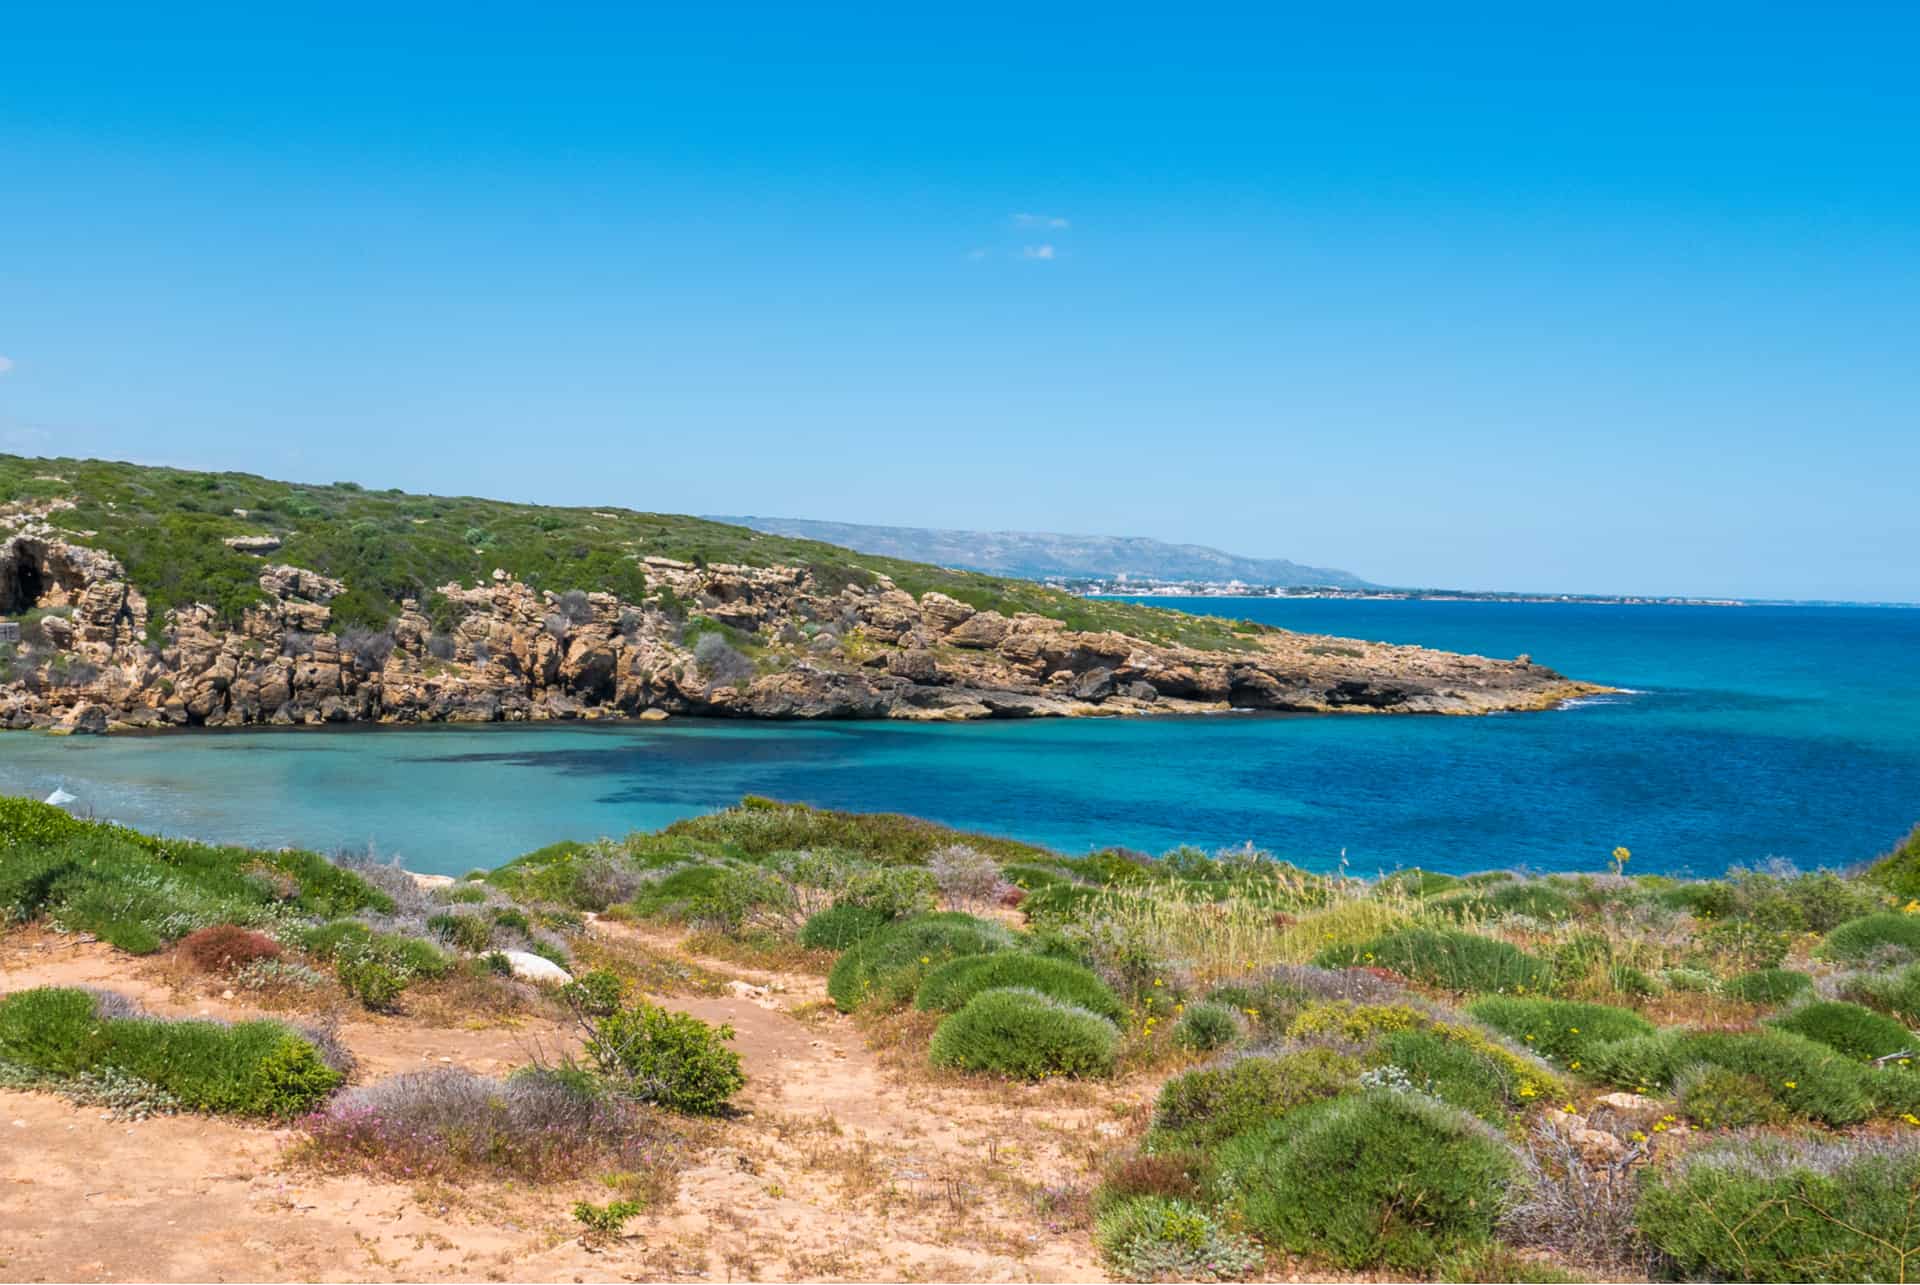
{"type": "Point", "coordinates": [535, 968]}
{"type": "Point", "coordinates": [60, 798]}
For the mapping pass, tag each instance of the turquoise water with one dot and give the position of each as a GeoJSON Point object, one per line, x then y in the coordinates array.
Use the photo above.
{"type": "Point", "coordinates": [1750, 733]}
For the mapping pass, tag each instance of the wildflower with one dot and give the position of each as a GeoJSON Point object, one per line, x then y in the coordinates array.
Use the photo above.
{"type": "Point", "coordinates": [1573, 1030]}
{"type": "Point", "coordinates": [926, 959]}
{"type": "Point", "coordinates": [1570, 1109]}
{"type": "Point", "coordinates": [1527, 1090]}
{"type": "Point", "coordinates": [1911, 908]}
{"type": "Point", "coordinates": [1912, 1119]}
{"type": "Point", "coordinates": [1638, 1136]}
{"type": "Point", "coordinates": [1574, 1065]}
{"type": "Point", "coordinates": [1791, 1084]}
{"type": "Point", "coordinates": [1156, 981]}
{"type": "Point", "coordinates": [1660, 1126]}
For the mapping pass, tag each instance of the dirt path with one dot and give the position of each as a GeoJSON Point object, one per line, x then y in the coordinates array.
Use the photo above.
{"type": "Point", "coordinates": [838, 1167]}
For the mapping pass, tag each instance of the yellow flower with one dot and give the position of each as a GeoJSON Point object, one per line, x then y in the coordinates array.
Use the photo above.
{"type": "Point", "coordinates": [1573, 1030]}
{"type": "Point", "coordinates": [1638, 1136]}
{"type": "Point", "coordinates": [1570, 1109]}
{"type": "Point", "coordinates": [1156, 981]}
{"type": "Point", "coordinates": [1574, 1065]}
{"type": "Point", "coordinates": [1791, 1084]}
{"type": "Point", "coordinates": [1661, 1127]}
{"type": "Point", "coordinates": [1527, 1090]}
{"type": "Point", "coordinates": [1911, 908]}
{"type": "Point", "coordinates": [925, 959]}
{"type": "Point", "coordinates": [1911, 1118]}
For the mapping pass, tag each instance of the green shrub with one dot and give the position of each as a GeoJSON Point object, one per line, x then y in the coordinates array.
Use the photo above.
{"type": "Point", "coordinates": [139, 892]}
{"type": "Point", "coordinates": [1715, 1097]}
{"type": "Point", "coordinates": [1855, 1031]}
{"type": "Point", "coordinates": [1899, 871]}
{"type": "Point", "coordinates": [1896, 993]}
{"type": "Point", "coordinates": [1530, 898]}
{"type": "Point", "coordinates": [673, 1059]}
{"type": "Point", "coordinates": [893, 892]}
{"type": "Point", "coordinates": [1374, 1179]}
{"type": "Point", "coordinates": [376, 983]}
{"type": "Point", "coordinates": [1268, 1003]}
{"type": "Point", "coordinates": [1769, 985]}
{"type": "Point", "coordinates": [1563, 1030]}
{"type": "Point", "coordinates": [1809, 1079]}
{"type": "Point", "coordinates": [252, 1068]}
{"type": "Point", "coordinates": [1206, 1026]}
{"type": "Point", "coordinates": [1420, 883]}
{"type": "Point", "coordinates": [470, 933]}
{"type": "Point", "coordinates": [950, 986]}
{"type": "Point", "coordinates": [888, 967]}
{"type": "Point", "coordinates": [1859, 940]}
{"type": "Point", "coordinates": [596, 993]}
{"type": "Point", "coordinates": [1204, 1107]}
{"type": "Point", "coordinates": [1768, 1210]}
{"type": "Point", "coordinates": [1146, 1238]}
{"type": "Point", "coordinates": [1454, 1072]}
{"type": "Point", "coordinates": [840, 926]}
{"type": "Point", "coordinates": [1447, 959]}
{"type": "Point", "coordinates": [604, 1222]}
{"type": "Point", "coordinates": [1027, 1035]}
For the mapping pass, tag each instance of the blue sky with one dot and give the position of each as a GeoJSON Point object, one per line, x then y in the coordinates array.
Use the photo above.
{"type": "Point", "coordinates": [1623, 299]}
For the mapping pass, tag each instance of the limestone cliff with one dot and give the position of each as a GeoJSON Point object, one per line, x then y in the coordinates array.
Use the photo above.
{"type": "Point", "coordinates": [763, 642]}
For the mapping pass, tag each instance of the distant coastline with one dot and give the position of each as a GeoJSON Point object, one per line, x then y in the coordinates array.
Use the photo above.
{"type": "Point", "coordinates": [1113, 589]}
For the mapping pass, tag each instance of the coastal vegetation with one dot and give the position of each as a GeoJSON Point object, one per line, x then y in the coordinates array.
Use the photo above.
{"type": "Point", "coordinates": [169, 528]}
{"type": "Point", "coordinates": [1480, 1076]}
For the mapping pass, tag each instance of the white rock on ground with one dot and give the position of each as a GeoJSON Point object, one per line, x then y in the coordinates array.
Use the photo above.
{"type": "Point", "coordinates": [534, 968]}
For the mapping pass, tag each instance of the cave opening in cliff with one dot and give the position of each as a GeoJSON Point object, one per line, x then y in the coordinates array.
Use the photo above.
{"type": "Point", "coordinates": [23, 578]}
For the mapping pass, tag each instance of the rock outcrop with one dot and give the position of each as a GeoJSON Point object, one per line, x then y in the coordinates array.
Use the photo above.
{"type": "Point", "coordinates": [92, 659]}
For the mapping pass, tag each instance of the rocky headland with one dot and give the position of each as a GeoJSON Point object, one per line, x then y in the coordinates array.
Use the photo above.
{"type": "Point", "coordinates": [721, 640]}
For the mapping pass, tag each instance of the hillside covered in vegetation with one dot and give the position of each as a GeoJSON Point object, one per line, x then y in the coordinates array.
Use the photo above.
{"type": "Point", "coordinates": [1495, 1077]}
{"type": "Point", "coordinates": [152, 597]}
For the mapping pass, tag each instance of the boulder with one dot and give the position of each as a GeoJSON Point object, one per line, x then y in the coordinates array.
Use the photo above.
{"type": "Point", "coordinates": [536, 968]}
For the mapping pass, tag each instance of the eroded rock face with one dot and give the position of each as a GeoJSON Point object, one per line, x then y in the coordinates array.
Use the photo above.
{"type": "Point", "coordinates": [514, 653]}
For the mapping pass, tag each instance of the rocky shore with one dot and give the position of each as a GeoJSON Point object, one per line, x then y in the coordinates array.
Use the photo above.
{"type": "Point", "coordinates": [720, 640]}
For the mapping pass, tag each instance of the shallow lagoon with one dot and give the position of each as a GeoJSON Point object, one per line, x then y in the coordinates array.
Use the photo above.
{"type": "Point", "coordinates": [1749, 733]}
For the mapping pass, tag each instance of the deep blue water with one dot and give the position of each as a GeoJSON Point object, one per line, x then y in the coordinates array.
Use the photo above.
{"type": "Point", "coordinates": [1750, 733]}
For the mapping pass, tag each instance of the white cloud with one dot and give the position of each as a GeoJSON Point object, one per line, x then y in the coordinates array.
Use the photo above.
{"type": "Point", "coordinates": [1041, 221]}
{"type": "Point", "coordinates": [1037, 252]}
{"type": "Point", "coordinates": [6, 364]}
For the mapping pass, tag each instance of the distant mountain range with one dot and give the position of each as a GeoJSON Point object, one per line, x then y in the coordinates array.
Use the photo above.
{"type": "Point", "coordinates": [1041, 555]}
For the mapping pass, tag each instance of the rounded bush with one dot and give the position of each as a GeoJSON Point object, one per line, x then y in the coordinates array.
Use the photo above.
{"type": "Point", "coordinates": [1027, 1035]}
{"type": "Point", "coordinates": [1206, 1026]}
{"type": "Point", "coordinates": [1768, 1210]}
{"type": "Point", "coordinates": [1206, 1106]}
{"type": "Point", "coordinates": [1896, 994]}
{"type": "Point", "coordinates": [1858, 940]}
{"type": "Point", "coordinates": [225, 947]}
{"type": "Point", "coordinates": [1809, 1079]}
{"type": "Point", "coordinates": [1714, 1097]}
{"type": "Point", "coordinates": [1563, 1030]}
{"type": "Point", "coordinates": [1848, 1028]}
{"type": "Point", "coordinates": [948, 987]}
{"type": "Point", "coordinates": [888, 967]}
{"type": "Point", "coordinates": [1447, 959]}
{"type": "Point", "coordinates": [838, 927]}
{"type": "Point", "coordinates": [1769, 985]}
{"type": "Point", "coordinates": [1148, 1238]}
{"type": "Point", "coordinates": [1380, 1178]}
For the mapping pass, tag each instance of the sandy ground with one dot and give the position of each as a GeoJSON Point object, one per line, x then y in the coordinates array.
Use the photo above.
{"type": "Point", "coordinates": [839, 1168]}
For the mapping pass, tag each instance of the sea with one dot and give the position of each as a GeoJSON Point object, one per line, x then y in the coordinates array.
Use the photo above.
{"type": "Point", "coordinates": [1740, 736]}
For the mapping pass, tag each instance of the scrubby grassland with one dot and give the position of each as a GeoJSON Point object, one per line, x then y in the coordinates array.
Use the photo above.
{"type": "Point", "coordinates": [1476, 1078]}
{"type": "Point", "coordinates": [1490, 1077]}
{"type": "Point", "coordinates": [167, 526]}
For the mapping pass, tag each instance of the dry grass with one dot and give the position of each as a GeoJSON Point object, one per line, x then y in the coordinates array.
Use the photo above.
{"type": "Point", "coordinates": [762, 951]}
{"type": "Point", "coordinates": [647, 968]}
